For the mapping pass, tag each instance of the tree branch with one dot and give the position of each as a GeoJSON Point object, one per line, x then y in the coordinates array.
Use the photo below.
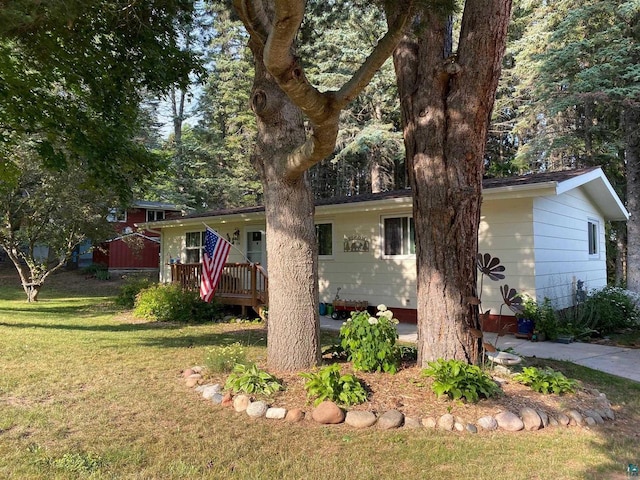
{"type": "Point", "coordinates": [322, 109]}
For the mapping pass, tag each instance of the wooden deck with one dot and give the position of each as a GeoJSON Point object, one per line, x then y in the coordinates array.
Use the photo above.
{"type": "Point", "coordinates": [243, 284]}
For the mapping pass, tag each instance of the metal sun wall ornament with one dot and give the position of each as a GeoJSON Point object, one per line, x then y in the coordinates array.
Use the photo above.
{"type": "Point", "coordinates": [356, 243]}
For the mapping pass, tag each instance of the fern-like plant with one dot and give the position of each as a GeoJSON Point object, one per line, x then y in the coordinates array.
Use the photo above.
{"type": "Point", "coordinates": [251, 379]}
{"type": "Point", "coordinates": [545, 381]}
{"type": "Point", "coordinates": [460, 380]}
{"type": "Point", "coordinates": [329, 384]}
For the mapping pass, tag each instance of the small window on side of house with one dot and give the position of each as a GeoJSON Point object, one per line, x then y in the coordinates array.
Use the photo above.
{"type": "Point", "coordinates": [398, 235]}
{"type": "Point", "coordinates": [155, 215]}
{"type": "Point", "coordinates": [324, 235]}
{"type": "Point", "coordinates": [593, 236]}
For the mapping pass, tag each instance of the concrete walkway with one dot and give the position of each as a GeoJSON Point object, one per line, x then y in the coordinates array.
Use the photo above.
{"type": "Point", "coordinates": [623, 362]}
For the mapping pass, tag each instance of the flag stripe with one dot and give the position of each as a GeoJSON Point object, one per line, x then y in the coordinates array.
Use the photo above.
{"type": "Point", "coordinates": [216, 252]}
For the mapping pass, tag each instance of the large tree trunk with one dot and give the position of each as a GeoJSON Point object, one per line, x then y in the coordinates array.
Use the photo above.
{"type": "Point", "coordinates": [293, 329]}
{"type": "Point", "coordinates": [631, 120]}
{"type": "Point", "coordinates": [446, 101]}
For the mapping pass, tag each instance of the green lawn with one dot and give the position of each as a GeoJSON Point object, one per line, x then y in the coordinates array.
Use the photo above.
{"type": "Point", "coordinates": [85, 392]}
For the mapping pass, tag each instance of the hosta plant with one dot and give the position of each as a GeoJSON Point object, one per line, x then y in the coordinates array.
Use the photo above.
{"type": "Point", "coordinates": [329, 384]}
{"type": "Point", "coordinates": [545, 381]}
{"type": "Point", "coordinates": [370, 342]}
{"type": "Point", "coordinates": [460, 380]}
{"type": "Point", "coordinates": [251, 379]}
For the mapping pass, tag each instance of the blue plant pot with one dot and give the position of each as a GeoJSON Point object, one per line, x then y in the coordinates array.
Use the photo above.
{"type": "Point", "coordinates": [525, 326]}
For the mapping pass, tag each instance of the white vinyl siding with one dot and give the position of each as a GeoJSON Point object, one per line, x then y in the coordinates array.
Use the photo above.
{"type": "Point", "coordinates": [506, 232]}
{"type": "Point", "coordinates": [561, 226]}
{"type": "Point", "coordinates": [364, 275]}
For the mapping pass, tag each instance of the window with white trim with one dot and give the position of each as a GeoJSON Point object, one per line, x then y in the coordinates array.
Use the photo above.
{"type": "Point", "coordinates": [194, 243]}
{"type": "Point", "coordinates": [117, 215]}
{"type": "Point", "coordinates": [593, 229]}
{"type": "Point", "coordinates": [155, 215]}
{"type": "Point", "coordinates": [398, 235]}
{"type": "Point", "coordinates": [324, 236]}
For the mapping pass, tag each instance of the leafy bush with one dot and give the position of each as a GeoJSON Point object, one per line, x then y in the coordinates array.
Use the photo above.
{"type": "Point", "coordinates": [545, 381]}
{"type": "Point", "coordinates": [170, 303]}
{"type": "Point", "coordinates": [224, 358]}
{"type": "Point", "coordinates": [613, 309]}
{"type": "Point", "coordinates": [460, 380]}
{"type": "Point", "coordinates": [371, 341]}
{"type": "Point", "coordinates": [251, 379]}
{"type": "Point", "coordinates": [328, 384]}
{"type": "Point", "coordinates": [127, 295]}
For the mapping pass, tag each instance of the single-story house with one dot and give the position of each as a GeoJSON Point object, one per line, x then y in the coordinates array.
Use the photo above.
{"type": "Point", "coordinates": [131, 249]}
{"type": "Point", "coordinates": [547, 229]}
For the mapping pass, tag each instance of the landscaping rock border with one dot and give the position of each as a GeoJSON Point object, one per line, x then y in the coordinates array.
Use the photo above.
{"type": "Point", "coordinates": [328, 413]}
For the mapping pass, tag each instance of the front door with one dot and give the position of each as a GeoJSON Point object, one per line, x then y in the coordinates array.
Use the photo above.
{"type": "Point", "coordinates": [257, 247]}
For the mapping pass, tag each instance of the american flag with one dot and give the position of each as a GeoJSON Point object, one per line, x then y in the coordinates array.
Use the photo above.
{"type": "Point", "coordinates": [216, 251]}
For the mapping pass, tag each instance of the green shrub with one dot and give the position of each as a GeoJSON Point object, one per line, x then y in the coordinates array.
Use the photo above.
{"type": "Point", "coordinates": [328, 384]}
{"type": "Point", "coordinates": [170, 303]}
{"type": "Point", "coordinates": [545, 381]}
{"type": "Point", "coordinates": [460, 380]}
{"type": "Point", "coordinates": [613, 309]}
{"type": "Point", "coordinates": [250, 379]}
{"type": "Point", "coordinates": [129, 290]}
{"type": "Point", "coordinates": [371, 341]}
{"type": "Point", "coordinates": [224, 358]}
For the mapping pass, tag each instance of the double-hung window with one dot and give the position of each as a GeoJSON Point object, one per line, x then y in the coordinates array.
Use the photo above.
{"type": "Point", "coordinates": [194, 246]}
{"type": "Point", "coordinates": [324, 235]}
{"type": "Point", "coordinates": [398, 234]}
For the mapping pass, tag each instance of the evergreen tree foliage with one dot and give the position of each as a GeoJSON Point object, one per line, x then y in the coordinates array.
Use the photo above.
{"type": "Point", "coordinates": [369, 145]}
{"type": "Point", "coordinates": [578, 62]}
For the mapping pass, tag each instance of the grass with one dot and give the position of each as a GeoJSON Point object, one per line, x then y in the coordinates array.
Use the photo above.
{"type": "Point", "coordinates": [85, 392]}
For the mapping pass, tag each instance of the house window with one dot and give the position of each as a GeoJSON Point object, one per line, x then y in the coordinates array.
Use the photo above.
{"type": "Point", "coordinates": [399, 236]}
{"type": "Point", "coordinates": [155, 215]}
{"type": "Point", "coordinates": [324, 234]}
{"type": "Point", "coordinates": [117, 215]}
{"type": "Point", "coordinates": [194, 245]}
{"type": "Point", "coordinates": [592, 233]}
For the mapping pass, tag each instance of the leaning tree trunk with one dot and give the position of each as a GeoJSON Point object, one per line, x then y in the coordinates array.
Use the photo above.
{"type": "Point", "coordinates": [631, 120]}
{"type": "Point", "coordinates": [446, 102]}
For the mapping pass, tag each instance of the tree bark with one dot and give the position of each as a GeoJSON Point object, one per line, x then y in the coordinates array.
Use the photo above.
{"type": "Point", "coordinates": [283, 154]}
{"type": "Point", "coordinates": [631, 120]}
{"type": "Point", "coordinates": [446, 102]}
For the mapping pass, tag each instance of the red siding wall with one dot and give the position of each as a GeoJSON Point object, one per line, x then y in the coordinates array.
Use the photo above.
{"type": "Point", "coordinates": [121, 256]}
{"type": "Point", "coordinates": [118, 254]}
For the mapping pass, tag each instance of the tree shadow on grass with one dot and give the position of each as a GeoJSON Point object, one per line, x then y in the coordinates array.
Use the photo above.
{"type": "Point", "coordinates": [123, 327]}
{"type": "Point", "coordinates": [254, 337]}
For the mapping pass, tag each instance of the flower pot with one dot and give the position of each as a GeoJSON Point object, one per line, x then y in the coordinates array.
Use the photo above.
{"type": "Point", "coordinates": [525, 328]}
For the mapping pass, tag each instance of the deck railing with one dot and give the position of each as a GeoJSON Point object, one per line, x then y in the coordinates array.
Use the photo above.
{"type": "Point", "coordinates": [240, 283]}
